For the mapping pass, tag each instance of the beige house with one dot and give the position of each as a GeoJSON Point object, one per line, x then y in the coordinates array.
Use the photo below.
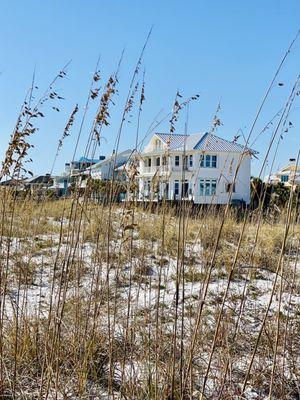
{"type": "Point", "coordinates": [288, 175]}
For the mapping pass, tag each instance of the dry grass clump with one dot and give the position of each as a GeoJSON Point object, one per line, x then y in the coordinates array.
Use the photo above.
{"type": "Point", "coordinates": [106, 311]}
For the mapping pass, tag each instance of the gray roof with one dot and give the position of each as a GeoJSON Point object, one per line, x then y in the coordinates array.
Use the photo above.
{"type": "Point", "coordinates": [119, 159]}
{"type": "Point", "coordinates": [38, 179]}
{"type": "Point", "coordinates": [201, 141]}
{"type": "Point", "coordinates": [175, 140]}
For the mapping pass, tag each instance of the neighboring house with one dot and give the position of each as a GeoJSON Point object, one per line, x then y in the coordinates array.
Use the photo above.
{"type": "Point", "coordinates": [38, 182]}
{"type": "Point", "coordinates": [76, 167]}
{"type": "Point", "coordinates": [17, 184]}
{"type": "Point", "coordinates": [60, 184]}
{"type": "Point", "coordinates": [111, 166]}
{"type": "Point", "coordinates": [199, 167]}
{"type": "Point", "coordinates": [288, 175]}
{"type": "Point", "coordinates": [73, 170]}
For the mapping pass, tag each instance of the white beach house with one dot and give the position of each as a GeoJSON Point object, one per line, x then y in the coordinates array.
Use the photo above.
{"type": "Point", "coordinates": [199, 167]}
{"type": "Point", "coordinates": [113, 165]}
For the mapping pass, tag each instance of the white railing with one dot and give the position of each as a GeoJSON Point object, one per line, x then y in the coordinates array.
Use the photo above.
{"type": "Point", "coordinates": [163, 169]}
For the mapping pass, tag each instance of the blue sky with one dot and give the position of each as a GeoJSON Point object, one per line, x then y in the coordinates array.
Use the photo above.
{"type": "Point", "coordinates": [226, 51]}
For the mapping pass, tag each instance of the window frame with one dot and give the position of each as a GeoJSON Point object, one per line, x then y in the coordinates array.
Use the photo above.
{"type": "Point", "coordinates": [177, 161]}
{"type": "Point", "coordinates": [208, 161]}
{"type": "Point", "coordinates": [207, 187]}
{"type": "Point", "coordinates": [214, 161]}
{"type": "Point", "coordinates": [176, 187]}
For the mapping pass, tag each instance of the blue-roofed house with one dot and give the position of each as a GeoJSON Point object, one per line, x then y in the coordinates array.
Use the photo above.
{"type": "Point", "coordinates": [73, 170]}
{"type": "Point", "coordinates": [201, 167]}
{"type": "Point", "coordinates": [75, 167]}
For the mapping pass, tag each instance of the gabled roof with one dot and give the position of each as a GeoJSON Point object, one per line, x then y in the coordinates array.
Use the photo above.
{"type": "Point", "coordinates": [119, 159]}
{"type": "Point", "coordinates": [38, 179]}
{"type": "Point", "coordinates": [177, 141]}
{"type": "Point", "coordinates": [201, 141]}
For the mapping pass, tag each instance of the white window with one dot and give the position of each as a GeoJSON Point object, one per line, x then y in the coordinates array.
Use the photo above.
{"type": "Point", "coordinates": [147, 162]}
{"type": "Point", "coordinates": [208, 161]}
{"type": "Point", "coordinates": [207, 187]}
{"type": "Point", "coordinates": [157, 161]}
{"type": "Point", "coordinates": [177, 161]}
{"type": "Point", "coordinates": [191, 160]}
{"type": "Point", "coordinates": [158, 144]}
{"type": "Point", "coordinates": [176, 188]}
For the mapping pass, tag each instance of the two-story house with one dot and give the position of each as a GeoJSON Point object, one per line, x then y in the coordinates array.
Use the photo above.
{"type": "Point", "coordinates": [72, 172]}
{"type": "Point", "coordinates": [288, 175]}
{"type": "Point", "coordinates": [200, 167]}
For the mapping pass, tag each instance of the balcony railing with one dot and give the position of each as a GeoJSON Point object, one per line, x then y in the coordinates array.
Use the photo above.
{"type": "Point", "coordinates": [163, 169]}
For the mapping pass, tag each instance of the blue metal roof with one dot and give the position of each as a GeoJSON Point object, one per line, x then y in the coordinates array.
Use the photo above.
{"type": "Point", "coordinates": [90, 160]}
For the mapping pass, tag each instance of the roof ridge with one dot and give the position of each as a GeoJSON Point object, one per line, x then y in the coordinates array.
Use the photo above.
{"type": "Point", "coordinates": [173, 134]}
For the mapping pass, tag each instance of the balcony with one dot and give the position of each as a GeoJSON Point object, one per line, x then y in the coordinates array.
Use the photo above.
{"type": "Point", "coordinates": [163, 169]}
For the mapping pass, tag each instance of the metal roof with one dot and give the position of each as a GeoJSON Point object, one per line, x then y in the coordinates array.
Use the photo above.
{"type": "Point", "coordinates": [201, 141]}
{"type": "Point", "coordinates": [215, 143]}
{"type": "Point", "coordinates": [90, 160]}
{"type": "Point", "coordinates": [174, 140]}
{"type": "Point", "coordinates": [117, 159]}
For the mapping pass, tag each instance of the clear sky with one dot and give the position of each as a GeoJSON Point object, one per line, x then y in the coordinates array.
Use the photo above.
{"type": "Point", "coordinates": [224, 50]}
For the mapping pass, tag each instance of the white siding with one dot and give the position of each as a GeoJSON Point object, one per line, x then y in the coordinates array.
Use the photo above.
{"type": "Point", "coordinates": [223, 173]}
